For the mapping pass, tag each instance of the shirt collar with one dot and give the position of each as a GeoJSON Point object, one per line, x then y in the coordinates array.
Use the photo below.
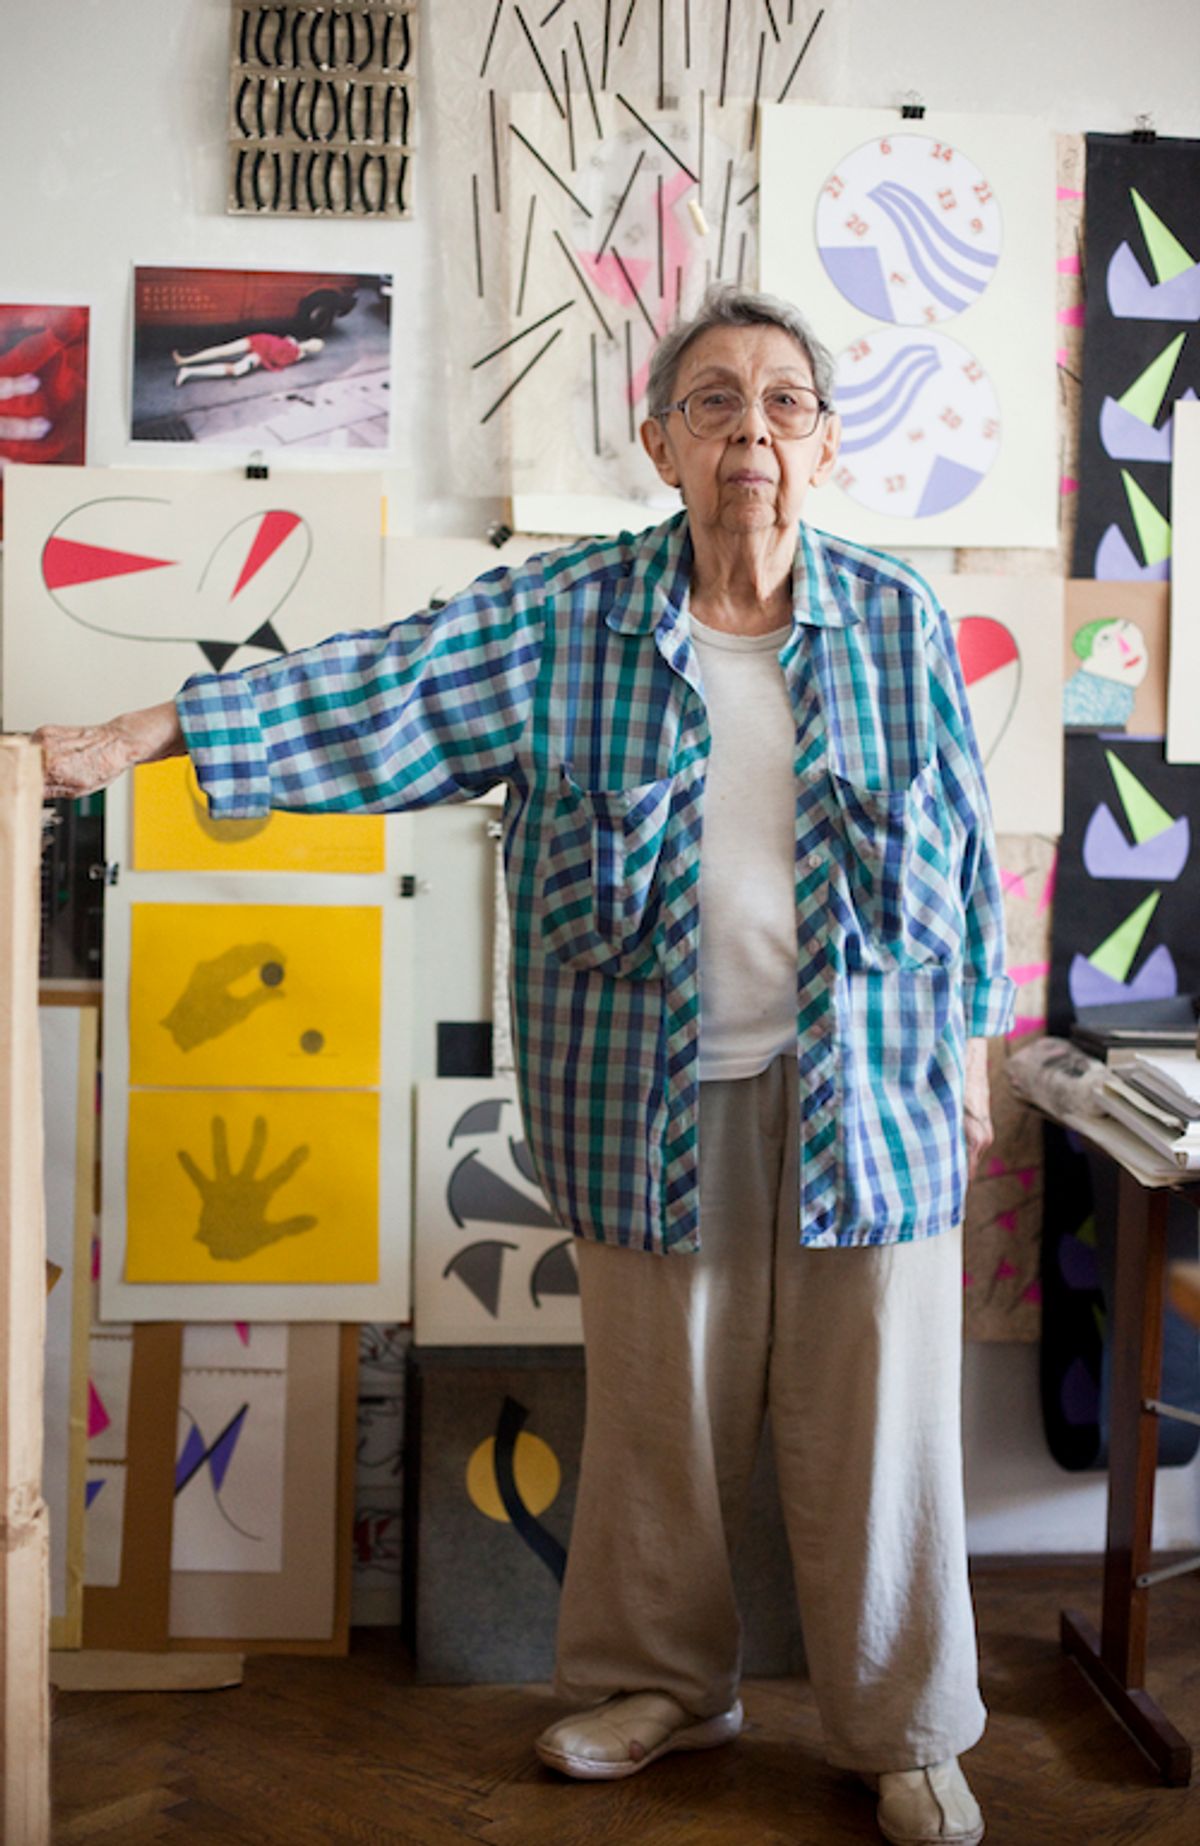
{"type": "Point", "coordinates": [655, 592]}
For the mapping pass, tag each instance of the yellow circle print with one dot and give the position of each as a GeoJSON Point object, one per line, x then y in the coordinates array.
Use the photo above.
{"type": "Point", "coordinates": [535, 1470]}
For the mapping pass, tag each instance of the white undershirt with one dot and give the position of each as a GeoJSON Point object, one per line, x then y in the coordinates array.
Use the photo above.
{"type": "Point", "coordinates": [747, 856]}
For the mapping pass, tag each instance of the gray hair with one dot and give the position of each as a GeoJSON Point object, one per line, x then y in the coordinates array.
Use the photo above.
{"type": "Point", "coordinates": [726, 305]}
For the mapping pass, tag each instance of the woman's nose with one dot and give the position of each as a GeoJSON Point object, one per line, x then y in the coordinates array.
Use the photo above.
{"type": "Point", "coordinates": [753, 426]}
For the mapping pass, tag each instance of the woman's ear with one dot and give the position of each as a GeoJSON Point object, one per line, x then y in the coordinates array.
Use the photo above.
{"type": "Point", "coordinates": [827, 454]}
{"type": "Point", "coordinates": [658, 448]}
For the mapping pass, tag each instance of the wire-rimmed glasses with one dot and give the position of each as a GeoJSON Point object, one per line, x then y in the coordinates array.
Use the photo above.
{"type": "Point", "coordinates": [714, 412]}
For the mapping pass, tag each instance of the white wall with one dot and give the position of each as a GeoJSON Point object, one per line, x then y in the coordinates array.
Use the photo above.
{"type": "Point", "coordinates": [112, 151]}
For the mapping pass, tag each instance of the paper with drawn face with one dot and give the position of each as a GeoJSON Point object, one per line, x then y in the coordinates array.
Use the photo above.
{"type": "Point", "coordinates": [120, 585]}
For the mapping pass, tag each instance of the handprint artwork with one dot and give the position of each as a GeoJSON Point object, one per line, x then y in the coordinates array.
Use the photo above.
{"type": "Point", "coordinates": [253, 1186]}
{"type": "Point", "coordinates": [255, 994]}
{"type": "Point", "coordinates": [233, 1217]}
{"type": "Point", "coordinates": [253, 1150]}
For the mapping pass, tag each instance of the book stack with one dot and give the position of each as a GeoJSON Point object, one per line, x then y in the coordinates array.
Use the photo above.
{"type": "Point", "coordinates": [1109, 1032]}
{"type": "Point", "coordinates": [1157, 1095]}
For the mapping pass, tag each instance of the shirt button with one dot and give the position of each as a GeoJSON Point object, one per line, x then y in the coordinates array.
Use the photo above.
{"type": "Point", "coordinates": [813, 862]}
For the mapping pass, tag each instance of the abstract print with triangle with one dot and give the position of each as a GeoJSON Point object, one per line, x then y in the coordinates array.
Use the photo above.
{"type": "Point", "coordinates": [121, 585]}
{"type": "Point", "coordinates": [492, 1266]}
{"type": "Point", "coordinates": [1124, 906]}
{"type": "Point", "coordinates": [1141, 352]}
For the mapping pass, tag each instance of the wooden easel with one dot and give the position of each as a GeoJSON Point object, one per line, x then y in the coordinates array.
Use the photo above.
{"type": "Point", "coordinates": [24, 1531]}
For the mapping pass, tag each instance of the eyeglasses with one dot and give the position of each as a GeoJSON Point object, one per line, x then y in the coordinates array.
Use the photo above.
{"type": "Point", "coordinates": [790, 412]}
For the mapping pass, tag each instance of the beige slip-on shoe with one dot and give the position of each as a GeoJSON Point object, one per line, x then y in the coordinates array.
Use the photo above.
{"type": "Point", "coordinates": [927, 1807]}
{"type": "Point", "coordinates": [626, 1734]}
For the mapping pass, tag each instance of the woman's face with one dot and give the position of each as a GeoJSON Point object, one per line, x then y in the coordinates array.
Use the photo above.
{"type": "Point", "coordinates": [749, 481]}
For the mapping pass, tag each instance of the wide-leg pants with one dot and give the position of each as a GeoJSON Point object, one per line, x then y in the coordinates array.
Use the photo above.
{"type": "Point", "coordinates": [857, 1353]}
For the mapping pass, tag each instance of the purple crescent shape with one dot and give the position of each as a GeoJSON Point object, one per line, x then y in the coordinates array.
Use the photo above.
{"type": "Point", "coordinates": [1156, 979]}
{"type": "Point", "coordinates": [1108, 854]}
{"type": "Point", "coordinates": [1132, 296]}
{"type": "Point", "coordinates": [1116, 563]}
{"type": "Point", "coordinates": [1125, 437]}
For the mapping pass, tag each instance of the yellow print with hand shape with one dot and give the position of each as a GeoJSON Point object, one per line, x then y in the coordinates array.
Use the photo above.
{"type": "Point", "coordinates": [246, 994]}
{"type": "Point", "coordinates": [253, 1186]}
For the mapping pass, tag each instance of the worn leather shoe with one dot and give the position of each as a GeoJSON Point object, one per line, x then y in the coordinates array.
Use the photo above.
{"type": "Point", "coordinates": [927, 1807]}
{"type": "Point", "coordinates": [628, 1733]}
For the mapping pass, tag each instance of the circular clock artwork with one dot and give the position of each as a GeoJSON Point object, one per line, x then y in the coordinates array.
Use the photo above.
{"type": "Point", "coordinates": [920, 422]}
{"type": "Point", "coordinates": [909, 230]}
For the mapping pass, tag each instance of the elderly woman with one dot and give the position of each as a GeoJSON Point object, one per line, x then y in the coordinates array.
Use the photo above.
{"type": "Point", "coordinates": [756, 948]}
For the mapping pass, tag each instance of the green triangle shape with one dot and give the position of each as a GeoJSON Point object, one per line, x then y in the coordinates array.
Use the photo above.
{"type": "Point", "coordinates": [1145, 395]}
{"type": "Point", "coordinates": [1154, 532]}
{"type": "Point", "coordinates": [1146, 816]}
{"type": "Point", "coordinates": [1166, 252]}
{"type": "Point", "coordinates": [1101, 1320]}
{"type": "Point", "coordinates": [1117, 953]}
{"type": "Point", "coordinates": [1087, 1231]}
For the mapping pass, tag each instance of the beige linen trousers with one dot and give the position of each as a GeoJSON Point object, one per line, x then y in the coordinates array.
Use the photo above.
{"type": "Point", "coordinates": [858, 1355]}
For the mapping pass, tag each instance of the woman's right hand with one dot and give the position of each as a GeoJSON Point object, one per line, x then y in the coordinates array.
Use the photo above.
{"type": "Point", "coordinates": [79, 759]}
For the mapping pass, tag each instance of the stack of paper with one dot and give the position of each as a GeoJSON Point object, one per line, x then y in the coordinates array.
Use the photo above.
{"type": "Point", "coordinates": [1157, 1094]}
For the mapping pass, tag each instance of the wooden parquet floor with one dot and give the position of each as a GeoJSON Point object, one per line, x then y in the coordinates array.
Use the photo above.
{"type": "Point", "coordinates": [317, 1752]}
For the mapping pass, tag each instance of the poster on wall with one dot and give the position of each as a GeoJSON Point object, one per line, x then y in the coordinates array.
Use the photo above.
{"type": "Point", "coordinates": [613, 259]}
{"type": "Point", "coordinates": [1115, 644]}
{"type": "Point", "coordinates": [1140, 358]}
{"type": "Point", "coordinates": [492, 1265]}
{"type": "Point", "coordinates": [121, 585]}
{"type": "Point", "coordinates": [261, 359]}
{"type": "Point", "coordinates": [1124, 906]}
{"type": "Point", "coordinates": [43, 386]}
{"type": "Point", "coordinates": [923, 254]}
{"type": "Point", "coordinates": [172, 832]}
{"type": "Point", "coordinates": [1183, 719]}
{"type": "Point", "coordinates": [1008, 631]}
{"type": "Point", "coordinates": [639, 167]}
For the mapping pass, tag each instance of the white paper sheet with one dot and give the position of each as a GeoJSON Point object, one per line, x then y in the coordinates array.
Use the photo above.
{"type": "Point", "coordinates": [1183, 674]}
{"type": "Point", "coordinates": [922, 252]}
{"type": "Point", "coordinates": [491, 1267]}
{"type": "Point", "coordinates": [119, 585]}
{"type": "Point", "coordinates": [1009, 634]}
{"type": "Point", "coordinates": [229, 1471]}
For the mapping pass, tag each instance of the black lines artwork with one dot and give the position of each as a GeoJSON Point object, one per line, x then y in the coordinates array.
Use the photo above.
{"type": "Point", "coordinates": [322, 114]}
{"type": "Point", "coordinates": [621, 143]}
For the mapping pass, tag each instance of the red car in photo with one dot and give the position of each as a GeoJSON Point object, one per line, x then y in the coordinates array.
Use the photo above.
{"type": "Point", "coordinates": [303, 303]}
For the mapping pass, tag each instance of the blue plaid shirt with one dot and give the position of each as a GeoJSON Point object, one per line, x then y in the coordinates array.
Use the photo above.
{"type": "Point", "coordinates": [573, 679]}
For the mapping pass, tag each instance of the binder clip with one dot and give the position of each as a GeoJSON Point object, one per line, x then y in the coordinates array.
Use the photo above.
{"type": "Point", "coordinates": [912, 109]}
{"type": "Point", "coordinates": [498, 534]}
{"type": "Point", "coordinates": [256, 467]}
{"type": "Point", "coordinates": [1143, 131]}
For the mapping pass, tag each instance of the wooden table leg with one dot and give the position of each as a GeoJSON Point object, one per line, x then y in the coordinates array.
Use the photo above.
{"type": "Point", "coordinates": [1116, 1661]}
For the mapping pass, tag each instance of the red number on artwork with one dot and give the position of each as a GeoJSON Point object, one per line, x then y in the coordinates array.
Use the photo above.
{"type": "Point", "coordinates": [885, 147]}
{"type": "Point", "coordinates": [941, 152]}
{"type": "Point", "coordinates": [991, 429]}
{"type": "Point", "coordinates": [973, 370]}
{"type": "Point", "coordinates": [835, 186]}
{"type": "Point", "coordinates": [951, 418]}
{"type": "Point", "coordinates": [897, 277]}
{"type": "Point", "coordinates": [916, 435]}
{"type": "Point", "coordinates": [948, 200]}
{"type": "Point", "coordinates": [977, 224]}
{"type": "Point", "coordinates": [844, 478]}
{"type": "Point", "coordinates": [856, 224]}
{"type": "Point", "coordinates": [894, 483]}
{"type": "Point", "coordinates": [983, 192]}
{"type": "Point", "coordinates": [860, 350]}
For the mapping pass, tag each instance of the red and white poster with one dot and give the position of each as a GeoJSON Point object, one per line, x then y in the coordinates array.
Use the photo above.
{"type": "Point", "coordinates": [43, 386]}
